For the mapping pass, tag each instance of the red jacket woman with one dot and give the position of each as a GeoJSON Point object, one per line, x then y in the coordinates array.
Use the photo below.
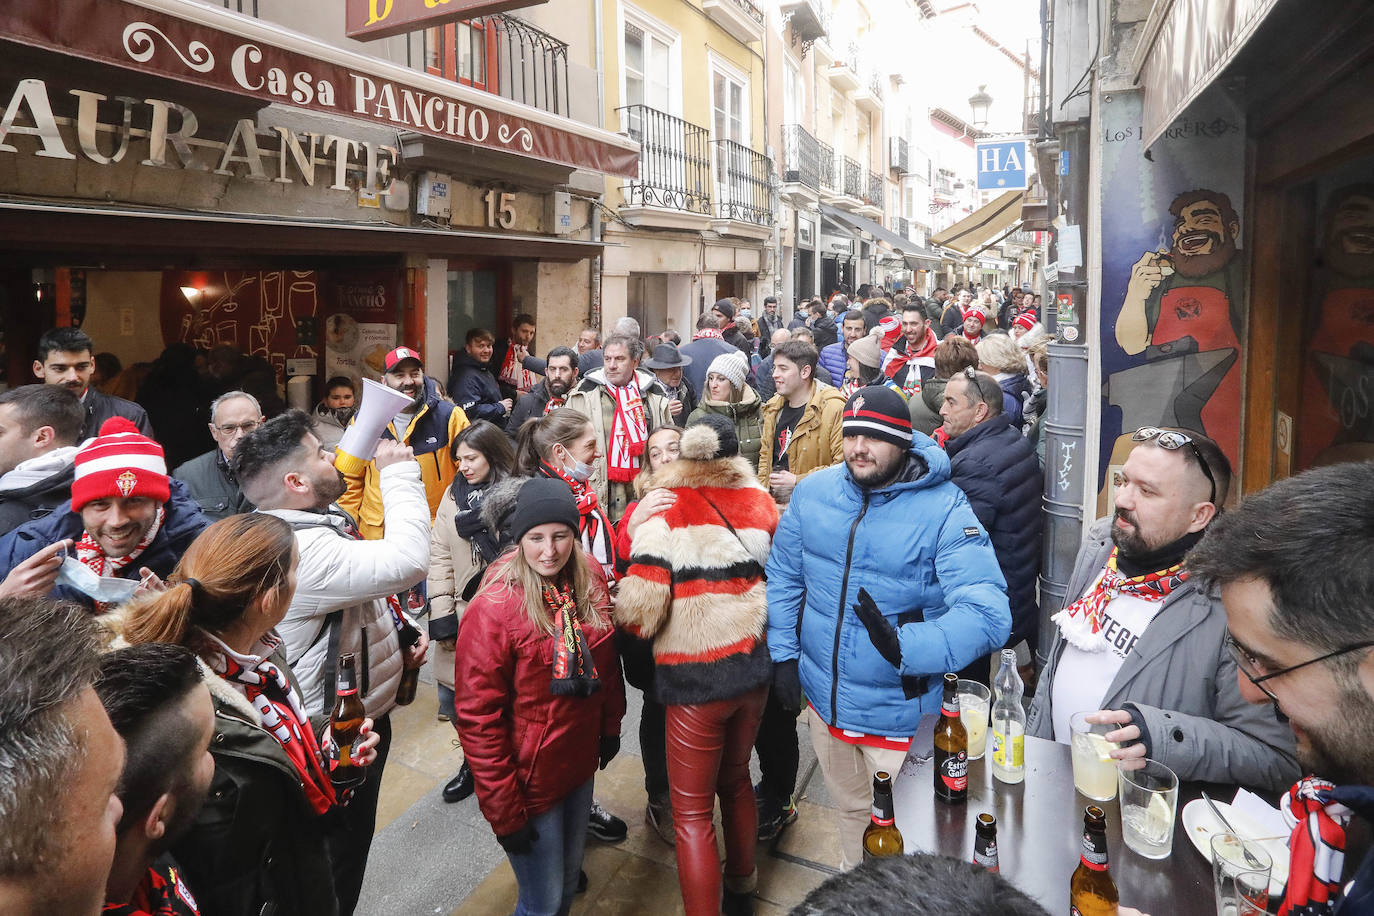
{"type": "Point", "coordinates": [538, 694]}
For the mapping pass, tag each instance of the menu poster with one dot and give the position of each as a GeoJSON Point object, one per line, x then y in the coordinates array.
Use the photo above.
{"type": "Point", "coordinates": [360, 327]}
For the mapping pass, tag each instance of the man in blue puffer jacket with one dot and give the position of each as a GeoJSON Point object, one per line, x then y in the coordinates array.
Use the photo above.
{"type": "Point", "coordinates": [867, 627]}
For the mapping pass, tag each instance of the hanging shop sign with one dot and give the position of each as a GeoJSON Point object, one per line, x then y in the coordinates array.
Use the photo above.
{"type": "Point", "coordinates": [366, 20]}
{"type": "Point", "coordinates": [173, 140]}
{"type": "Point", "coordinates": [257, 60]}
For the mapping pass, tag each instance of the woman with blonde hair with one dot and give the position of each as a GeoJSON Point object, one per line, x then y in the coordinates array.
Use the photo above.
{"type": "Point", "coordinates": [257, 843]}
{"type": "Point", "coordinates": [538, 695]}
{"type": "Point", "coordinates": [729, 395]}
{"type": "Point", "coordinates": [1000, 357]}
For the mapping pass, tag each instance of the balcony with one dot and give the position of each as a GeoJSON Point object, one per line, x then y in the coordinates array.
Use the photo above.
{"type": "Point", "coordinates": [830, 186]}
{"type": "Point", "coordinates": [805, 17]}
{"type": "Point", "coordinates": [852, 182]}
{"type": "Point", "coordinates": [247, 7]}
{"type": "Point", "coordinates": [741, 18]}
{"type": "Point", "coordinates": [844, 74]}
{"type": "Point", "coordinates": [898, 158]}
{"type": "Point", "coordinates": [869, 97]}
{"type": "Point", "coordinates": [801, 165]}
{"type": "Point", "coordinates": [502, 55]}
{"type": "Point", "coordinates": [901, 227]}
{"type": "Point", "coordinates": [744, 193]}
{"type": "Point", "coordinates": [673, 188]}
{"type": "Point", "coordinates": [874, 190]}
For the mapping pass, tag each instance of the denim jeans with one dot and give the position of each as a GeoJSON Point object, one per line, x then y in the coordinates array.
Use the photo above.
{"type": "Point", "coordinates": [547, 874]}
{"type": "Point", "coordinates": [446, 702]}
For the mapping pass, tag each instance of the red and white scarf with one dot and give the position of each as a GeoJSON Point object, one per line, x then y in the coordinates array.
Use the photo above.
{"type": "Point", "coordinates": [513, 371]}
{"type": "Point", "coordinates": [574, 670]}
{"type": "Point", "coordinates": [553, 404]}
{"type": "Point", "coordinates": [895, 359]}
{"type": "Point", "coordinates": [711, 333]}
{"type": "Point", "coordinates": [266, 687]}
{"type": "Point", "coordinates": [88, 549]}
{"type": "Point", "coordinates": [1081, 622]}
{"type": "Point", "coordinates": [629, 432]}
{"type": "Point", "coordinates": [597, 535]}
{"type": "Point", "coordinates": [1316, 850]}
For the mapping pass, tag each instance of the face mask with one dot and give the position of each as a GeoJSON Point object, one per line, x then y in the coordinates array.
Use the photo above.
{"type": "Point", "coordinates": [580, 470]}
{"type": "Point", "coordinates": [105, 589]}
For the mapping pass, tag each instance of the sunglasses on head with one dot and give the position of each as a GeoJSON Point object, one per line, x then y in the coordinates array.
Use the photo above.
{"type": "Point", "coordinates": [1173, 441]}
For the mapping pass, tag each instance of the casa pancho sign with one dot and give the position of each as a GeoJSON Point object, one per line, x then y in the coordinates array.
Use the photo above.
{"type": "Point", "coordinates": [369, 19]}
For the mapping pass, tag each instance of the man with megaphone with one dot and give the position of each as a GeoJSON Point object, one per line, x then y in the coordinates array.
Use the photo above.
{"type": "Point", "coordinates": [427, 423]}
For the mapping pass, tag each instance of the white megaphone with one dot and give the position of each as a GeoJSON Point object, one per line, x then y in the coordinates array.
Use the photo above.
{"type": "Point", "coordinates": [378, 406]}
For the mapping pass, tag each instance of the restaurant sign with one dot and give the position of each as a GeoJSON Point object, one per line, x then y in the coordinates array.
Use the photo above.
{"type": "Point", "coordinates": [366, 20]}
{"type": "Point", "coordinates": [264, 62]}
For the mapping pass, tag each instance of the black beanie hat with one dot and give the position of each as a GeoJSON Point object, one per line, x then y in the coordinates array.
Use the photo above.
{"type": "Point", "coordinates": [543, 500]}
{"type": "Point", "coordinates": [726, 308]}
{"type": "Point", "coordinates": [708, 437]}
{"type": "Point", "coordinates": [879, 413]}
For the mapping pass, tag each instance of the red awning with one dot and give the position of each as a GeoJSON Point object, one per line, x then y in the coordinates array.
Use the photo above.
{"type": "Point", "coordinates": [204, 46]}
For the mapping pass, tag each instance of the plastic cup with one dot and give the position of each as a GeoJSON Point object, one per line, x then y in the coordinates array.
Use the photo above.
{"type": "Point", "coordinates": [1149, 801]}
{"type": "Point", "coordinates": [1240, 875]}
{"type": "Point", "coordinates": [1094, 770]}
{"type": "Point", "coordinates": [975, 701]}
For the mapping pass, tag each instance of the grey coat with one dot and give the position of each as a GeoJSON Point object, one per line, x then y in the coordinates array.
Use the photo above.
{"type": "Point", "coordinates": [217, 493]}
{"type": "Point", "coordinates": [1181, 681]}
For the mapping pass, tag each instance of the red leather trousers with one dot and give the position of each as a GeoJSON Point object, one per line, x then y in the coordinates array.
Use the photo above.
{"type": "Point", "coordinates": [708, 755]}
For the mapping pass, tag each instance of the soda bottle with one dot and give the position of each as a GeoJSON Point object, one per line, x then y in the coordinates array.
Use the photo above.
{"type": "Point", "coordinates": [346, 721]}
{"type": "Point", "coordinates": [985, 842]}
{"type": "Point", "coordinates": [1092, 892]}
{"type": "Point", "coordinates": [1009, 723]}
{"type": "Point", "coordinates": [881, 836]}
{"type": "Point", "coordinates": [951, 748]}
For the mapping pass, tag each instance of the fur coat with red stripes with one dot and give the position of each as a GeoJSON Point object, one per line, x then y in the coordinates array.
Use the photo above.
{"type": "Point", "coordinates": [696, 589]}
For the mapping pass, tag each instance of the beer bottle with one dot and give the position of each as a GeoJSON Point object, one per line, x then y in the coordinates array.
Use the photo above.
{"type": "Point", "coordinates": [409, 635]}
{"type": "Point", "coordinates": [951, 748]}
{"type": "Point", "coordinates": [1092, 892]}
{"type": "Point", "coordinates": [346, 721]}
{"type": "Point", "coordinates": [985, 842]}
{"type": "Point", "coordinates": [881, 836]}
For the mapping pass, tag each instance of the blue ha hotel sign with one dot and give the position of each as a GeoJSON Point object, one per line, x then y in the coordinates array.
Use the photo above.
{"type": "Point", "coordinates": [1001, 164]}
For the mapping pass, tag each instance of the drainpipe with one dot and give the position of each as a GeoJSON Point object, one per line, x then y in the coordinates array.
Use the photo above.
{"type": "Point", "coordinates": [594, 289]}
{"type": "Point", "coordinates": [599, 43]}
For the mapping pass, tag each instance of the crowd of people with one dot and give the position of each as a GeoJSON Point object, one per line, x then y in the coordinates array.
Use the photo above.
{"type": "Point", "coordinates": [771, 521]}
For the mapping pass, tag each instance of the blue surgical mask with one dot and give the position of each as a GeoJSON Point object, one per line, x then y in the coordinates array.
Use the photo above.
{"type": "Point", "coordinates": [105, 589]}
{"type": "Point", "coordinates": [580, 470]}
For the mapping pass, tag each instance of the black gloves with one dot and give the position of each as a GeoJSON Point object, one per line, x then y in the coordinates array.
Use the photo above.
{"type": "Point", "coordinates": [880, 630]}
{"type": "Point", "coordinates": [610, 746]}
{"type": "Point", "coordinates": [521, 842]}
{"type": "Point", "coordinates": [787, 686]}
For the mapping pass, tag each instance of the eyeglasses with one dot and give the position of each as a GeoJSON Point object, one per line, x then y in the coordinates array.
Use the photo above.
{"type": "Point", "coordinates": [1173, 441]}
{"type": "Point", "coordinates": [246, 427]}
{"type": "Point", "coordinates": [1248, 664]}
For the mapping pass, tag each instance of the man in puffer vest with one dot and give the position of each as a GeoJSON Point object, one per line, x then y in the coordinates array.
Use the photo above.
{"type": "Point", "coordinates": [695, 587]}
{"type": "Point", "coordinates": [912, 591]}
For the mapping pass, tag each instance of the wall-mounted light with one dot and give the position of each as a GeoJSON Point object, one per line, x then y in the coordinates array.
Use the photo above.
{"type": "Point", "coordinates": [191, 293]}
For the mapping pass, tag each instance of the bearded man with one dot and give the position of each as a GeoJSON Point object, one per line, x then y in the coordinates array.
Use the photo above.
{"type": "Point", "coordinates": [1339, 358]}
{"type": "Point", "coordinates": [560, 375]}
{"type": "Point", "coordinates": [1192, 291]}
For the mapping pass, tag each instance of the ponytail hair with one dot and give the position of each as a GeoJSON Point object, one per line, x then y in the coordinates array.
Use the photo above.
{"type": "Point", "coordinates": [537, 437]}
{"type": "Point", "coordinates": [234, 562]}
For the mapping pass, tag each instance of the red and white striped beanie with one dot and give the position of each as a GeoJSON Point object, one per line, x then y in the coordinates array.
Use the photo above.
{"type": "Point", "coordinates": [119, 462]}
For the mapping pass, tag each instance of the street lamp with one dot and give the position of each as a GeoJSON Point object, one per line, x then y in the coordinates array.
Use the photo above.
{"type": "Point", "coordinates": [979, 103]}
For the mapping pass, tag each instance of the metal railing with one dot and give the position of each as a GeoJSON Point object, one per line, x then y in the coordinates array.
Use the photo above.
{"type": "Point", "coordinates": [674, 161]}
{"type": "Point", "coordinates": [874, 197]}
{"type": "Point", "coordinates": [532, 65]}
{"type": "Point", "coordinates": [248, 7]}
{"type": "Point", "coordinates": [801, 156]}
{"type": "Point", "coordinates": [851, 57]}
{"type": "Point", "coordinates": [742, 187]}
{"type": "Point", "coordinates": [751, 10]}
{"type": "Point", "coordinates": [875, 86]}
{"type": "Point", "coordinates": [901, 226]}
{"type": "Point", "coordinates": [829, 181]}
{"type": "Point", "coordinates": [853, 179]}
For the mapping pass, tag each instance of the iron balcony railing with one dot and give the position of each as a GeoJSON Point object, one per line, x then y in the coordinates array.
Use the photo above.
{"type": "Point", "coordinates": [851, 57]}
{"type": "Point", "coordinates": [874, 197]}
{"type": "Point", "coordinates": [853, 179]}
{"type": "Point", "coordinates": [531, 65]}
{"type": "Point", "coordinates": [801, 157]}
{"type": "Point", "coordinates": [751, 10]}
{"type": "Point", "coordinates": [674, 161]}
{"type": "Point", "coordinates": [901, 226]}
{"type": "Point", "coordinates": [828, 166]}
{"type": "Point", "coordinates": [742, 187]}
{"type": "Point", "coordinates": [248, 7]}
{"type": "Point", "coordinates": [875, 86]}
